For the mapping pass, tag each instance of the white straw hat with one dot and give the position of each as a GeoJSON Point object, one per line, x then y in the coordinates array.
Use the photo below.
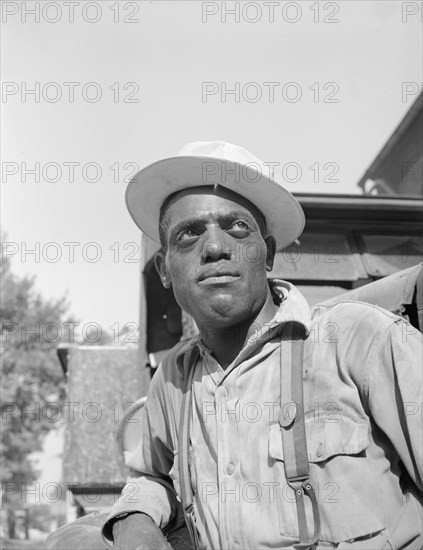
{"type": "Point", "coordinates": [214, 163]}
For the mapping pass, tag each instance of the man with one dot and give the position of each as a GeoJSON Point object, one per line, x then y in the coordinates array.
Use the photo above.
{"type": "Point", "coordinates": [270, 437]}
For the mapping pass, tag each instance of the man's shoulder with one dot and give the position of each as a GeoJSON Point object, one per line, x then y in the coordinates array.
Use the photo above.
{"type": "Point", "coordinates": [350, 311]}
{"type": "Point", "coordinates": [172, 361]}
{"type": "Point", "coordinates": [347, 337]}
{"type": "Point", "coordinates": [354, 320]}
{"type": "Point", "coordinates": [168, 380]}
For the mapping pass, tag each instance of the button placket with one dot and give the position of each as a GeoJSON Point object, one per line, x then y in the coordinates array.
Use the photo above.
{"type": "Point", "coordinates": [226, 426]}
{"type": "Point", "coordinates": [223, 458]}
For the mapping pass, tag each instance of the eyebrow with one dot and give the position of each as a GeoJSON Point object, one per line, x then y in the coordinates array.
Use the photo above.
{"type": "Point", "coordinates": [224, 218]}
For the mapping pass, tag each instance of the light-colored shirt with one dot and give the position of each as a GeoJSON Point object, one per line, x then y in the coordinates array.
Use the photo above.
{"type": "Point", "coordinates": [362, 403]}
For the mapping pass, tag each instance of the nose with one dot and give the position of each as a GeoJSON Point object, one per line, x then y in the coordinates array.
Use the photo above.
{"type": "Point", "coordinates": [216, 247]}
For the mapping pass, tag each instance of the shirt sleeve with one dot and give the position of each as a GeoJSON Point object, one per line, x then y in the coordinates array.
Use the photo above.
{"type": "Point", "coordinates": [149, 489]}
{"type": "Point", "coordinates": [395, 394]}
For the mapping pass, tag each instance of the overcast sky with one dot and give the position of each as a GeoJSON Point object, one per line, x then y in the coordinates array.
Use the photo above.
{"type": "Point", "coordinates": [121, 84]}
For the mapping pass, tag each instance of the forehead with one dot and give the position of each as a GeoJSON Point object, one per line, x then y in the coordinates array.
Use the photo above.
{"type": "Point", "coordinates": [204, 206]}
{"type": "Point", "coordinates": [208, 201]}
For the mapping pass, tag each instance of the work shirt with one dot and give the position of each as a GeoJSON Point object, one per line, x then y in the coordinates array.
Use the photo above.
{"type": "Point", "coordinates": [362, 376]}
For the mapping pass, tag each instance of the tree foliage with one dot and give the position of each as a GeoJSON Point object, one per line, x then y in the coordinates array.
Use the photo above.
{"type": "Point", "coordinates": [32, 380]}
{"type": "Point", "coordinates": [30, 371]}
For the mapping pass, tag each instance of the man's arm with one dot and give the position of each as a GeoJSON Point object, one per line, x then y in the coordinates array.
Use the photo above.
{"type": "Point", "coordinates": [395, 394]}
{"type": "Point", "coordinates": [139, 532]}
{"type": "Point", "coordinates": [148, 501]}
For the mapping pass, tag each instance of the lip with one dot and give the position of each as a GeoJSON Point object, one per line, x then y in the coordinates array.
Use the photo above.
{"type": "Point", "coordinates": [219, 280]}
{"type": "Point", "coordinates": [215, 274]}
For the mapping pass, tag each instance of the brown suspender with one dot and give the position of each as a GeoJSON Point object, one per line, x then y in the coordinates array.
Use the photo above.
{"type": "Point", "coordinates": [291, 420]}
{"type": "Point", "coordinates": [187, 497]}
{"type": "Point", "coordinates": [294, 443]}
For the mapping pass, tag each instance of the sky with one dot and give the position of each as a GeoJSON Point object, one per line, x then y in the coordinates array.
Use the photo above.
{"type": "Point", "coordinates": [316, 88]}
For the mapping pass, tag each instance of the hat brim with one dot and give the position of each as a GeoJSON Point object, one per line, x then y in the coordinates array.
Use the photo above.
{"type": "Point", "coordinates": [149, 188]}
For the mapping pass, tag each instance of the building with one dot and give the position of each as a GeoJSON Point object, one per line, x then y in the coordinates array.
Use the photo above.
{"type": "Point", "coordinates": [397, 169]}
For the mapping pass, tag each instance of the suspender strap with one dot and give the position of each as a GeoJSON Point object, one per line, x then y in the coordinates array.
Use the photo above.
{"type": "Point", "coordinates": [187, 497]}
{"type": "Point", "coordinates": [291, 420]}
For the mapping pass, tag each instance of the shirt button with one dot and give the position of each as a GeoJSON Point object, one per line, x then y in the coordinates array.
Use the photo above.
{"type": "Point", "coordinates": [230, 468]}
{"type": "Point", "coordinates": [289, 412]}
{"type": "Point", "coordinates": [319, 451]}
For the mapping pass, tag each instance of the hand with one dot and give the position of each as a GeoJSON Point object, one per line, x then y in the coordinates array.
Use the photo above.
{"type": "Point", "coordinates": [138, 532]}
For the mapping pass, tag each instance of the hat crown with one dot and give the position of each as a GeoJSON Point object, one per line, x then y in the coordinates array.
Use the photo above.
{"type": "Point", "coordinates": [223, 150]}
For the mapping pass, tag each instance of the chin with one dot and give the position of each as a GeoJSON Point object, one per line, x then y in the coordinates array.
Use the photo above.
{"type": "Point", "coordinates": [226, 311]}
{"type": "Point", "coordinates": [220, 308]}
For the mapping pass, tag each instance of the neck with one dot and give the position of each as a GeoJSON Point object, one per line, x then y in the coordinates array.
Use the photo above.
{"type": "Point", "coordinates": [226, 343]}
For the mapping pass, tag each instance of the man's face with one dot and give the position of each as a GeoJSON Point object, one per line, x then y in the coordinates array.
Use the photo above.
{"type": "Point", "coordinates": [216, 259]}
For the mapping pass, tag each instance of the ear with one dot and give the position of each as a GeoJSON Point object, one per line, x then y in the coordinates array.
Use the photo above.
{"type": "Point", "coordinates": [160, 265]}
{"type": "Point", "coordinates": [271, 251]}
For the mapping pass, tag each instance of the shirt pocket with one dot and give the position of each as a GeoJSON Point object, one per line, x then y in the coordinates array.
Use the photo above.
{"type": "Point", "coordinates": [341, 475]}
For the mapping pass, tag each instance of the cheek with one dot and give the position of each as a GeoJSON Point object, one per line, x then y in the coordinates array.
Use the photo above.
{"type": "Point", "coordinates": [254, 257]}
{"type": "Point", "coordinates": [180, 270]}
{"type": "Point", "coordinates": [177, 271]}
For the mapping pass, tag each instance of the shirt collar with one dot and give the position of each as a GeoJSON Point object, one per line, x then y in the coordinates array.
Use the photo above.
{"type": "Point", "coordinates": [293, 309]}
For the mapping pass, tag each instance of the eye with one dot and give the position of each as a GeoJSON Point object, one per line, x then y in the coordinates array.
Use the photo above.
{"type": "Point", "coordinates": [187, 234]}
{"type": "Point", "coordinates": [239, 228]}
{"type": "Point", "coordinates": [241, 224]}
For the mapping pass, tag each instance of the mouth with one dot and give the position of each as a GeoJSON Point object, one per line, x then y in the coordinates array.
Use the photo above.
{"type": "Point", "coordinates": [220, 280]}
{"type": "Point", "coordinates": [215, 275]}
